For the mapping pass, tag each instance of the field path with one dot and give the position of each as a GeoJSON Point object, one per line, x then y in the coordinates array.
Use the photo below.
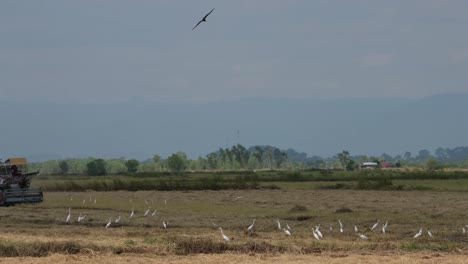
{"type": "Point", "coordinates": [425, 258]}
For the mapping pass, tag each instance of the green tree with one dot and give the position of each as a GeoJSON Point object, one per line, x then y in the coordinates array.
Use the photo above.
{"type": "Point", "coordinates": [269, 156]}
{"type": "Point", "coordinates": [433, 165]}
{"type": "Point", "coordinates": [423, 155]}
{"type": "Point", "coordinates": [407, 155]}
{"type": "Point", "coordinates": [156, 158]}
{"type": "Point", "coordinates": [258, 154]}
{"type": "Point", "coordinates": [344, 159]}
{"type": "Point", "coordinates": [132, 165]}
{"type": "Point", "coordinates": [241, 155]}
{"type": "Point", "coordinates": [441, 154]}
{"type": "Point", "coordinates": [63, 165]}
{"type": "Point", "coordinates": [280, 157]}
{"type": "Point", "coordinates": [96, 167]}
{"type": "Point", "coordinates": [351, 165]}
{"type": "Point", "coordinates": [177, 162]}
{"type": "Point", "coordinates": [212, 161]}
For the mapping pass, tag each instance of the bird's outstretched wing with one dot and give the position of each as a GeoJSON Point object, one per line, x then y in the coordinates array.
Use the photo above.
{"type": "Point", "coordinates": [208, 14]}
{"type": "Point", "coordinates": [197, 24]}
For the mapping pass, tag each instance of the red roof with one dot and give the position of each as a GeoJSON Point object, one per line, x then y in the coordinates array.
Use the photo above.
{"type": "Point", "coordinates": [385, 164]}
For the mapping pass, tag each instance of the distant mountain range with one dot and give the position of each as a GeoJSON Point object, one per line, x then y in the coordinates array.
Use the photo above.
{"type": "Point", "coordinates": [138, 129]}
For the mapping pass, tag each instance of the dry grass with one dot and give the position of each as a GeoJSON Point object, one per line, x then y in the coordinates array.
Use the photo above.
{"type": "Point", "coordinates": [39, 230]}
{"type": "Point", "coordinates": [335, 258]}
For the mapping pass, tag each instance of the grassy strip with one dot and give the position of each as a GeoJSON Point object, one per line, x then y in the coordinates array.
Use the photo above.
{"type": "Point", "coordinates": [360, 180]}
{"type": "Point", "coordinates": [42, 249]}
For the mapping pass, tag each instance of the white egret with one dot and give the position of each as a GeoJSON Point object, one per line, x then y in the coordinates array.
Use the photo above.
{"type": "Point", "coordinates": [84, 201]}
{"type": "Point", "coordinates": [317, 230]}
{"type": "Point", "coordinates": [250, 228]}
{"type": "Point", "coordinates": [146, 212]}
{"type": "Point", "coordinates": [279, 225]}
{"type": "Point", "coordinates": [384, 227]}
{"type": "Point", "coordinates": [133, 212]}
{"type": "Point", "coordinates": [237, 198]}
{"type": "Point", "coordinates": [418, 234]}
{"type": "Point", "coordinates": [288, 227]}
{"type": "Point", "coordinates": [94, 200]}
{"type": "Point", "coordinates": [331, 227]}
{"type": "Point", "coordinates": [165, 224]}
{"type": "Point", "coordinates": [315, 234]}
{"type": "Point", "coordinates": [341, 226]}
{"type": "Point", "coordinates": [429, 233]}
{"type": "Point", "coordinates": [68, 216]}
{"type": "Point", "coordinates": [463, 230]}
{"type": "Point", "coordinates": [356, 229]}
{"type": "Point", "coordinates": [109, 223]}
{"type": "Point", "coordinates": [287, 232]}
{"type": "Point", "coordinates": [154, 213]}
{"type": "Point", "coordinates": [117, 219]}
{"type": "Point", "coordinates": [81, 218]}
{"type": "Point", "coordinates": [362, 236]}
{"type": "Point", "coordinates": [226, 238]}
{"type": "Point", "coordinates": [375, 225]}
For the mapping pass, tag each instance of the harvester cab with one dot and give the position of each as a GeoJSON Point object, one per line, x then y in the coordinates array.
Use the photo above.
{"type": "Point", "coordinates": [14, 184]}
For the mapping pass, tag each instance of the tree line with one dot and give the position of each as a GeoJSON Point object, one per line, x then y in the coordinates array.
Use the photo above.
{"type": "Point", "coordinates": [239, 157]}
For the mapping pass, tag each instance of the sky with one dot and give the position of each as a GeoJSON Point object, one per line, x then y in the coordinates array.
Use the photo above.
{"type": "Point", "coordinates": [111, 51]}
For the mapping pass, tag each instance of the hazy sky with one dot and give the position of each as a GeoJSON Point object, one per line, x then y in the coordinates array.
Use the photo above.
{"type": "Point", "coordinates": [104, 51]}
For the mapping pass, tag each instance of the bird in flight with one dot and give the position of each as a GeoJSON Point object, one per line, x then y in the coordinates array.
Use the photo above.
{"type": "Point", "coordinates": [203, 19]}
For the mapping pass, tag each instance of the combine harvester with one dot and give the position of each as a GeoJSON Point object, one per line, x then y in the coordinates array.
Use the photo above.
{"type": "Point", "coordinates": [14, 184]}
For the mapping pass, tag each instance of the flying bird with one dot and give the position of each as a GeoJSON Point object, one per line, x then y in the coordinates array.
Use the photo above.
{"type": "Point", "coordinates": [203, 19]}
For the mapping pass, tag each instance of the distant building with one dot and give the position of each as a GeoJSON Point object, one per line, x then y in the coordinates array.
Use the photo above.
{"type": "Point", "coordinates": [368, 165]}
{"type": "Point", "coordinates": [385, 164]}
{"type": "Point", "coordinates": [373, 165]}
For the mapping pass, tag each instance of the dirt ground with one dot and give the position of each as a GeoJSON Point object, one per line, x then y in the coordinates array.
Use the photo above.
{"type": "Point", "coordinates": [425, 258]}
